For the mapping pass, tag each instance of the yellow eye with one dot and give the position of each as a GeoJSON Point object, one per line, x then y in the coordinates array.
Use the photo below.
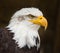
{"type": "Point", "coordinates": [31, 16]}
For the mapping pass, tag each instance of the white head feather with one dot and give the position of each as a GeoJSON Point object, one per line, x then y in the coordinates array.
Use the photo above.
{"type": "Point", "coordinates": [25, 32]}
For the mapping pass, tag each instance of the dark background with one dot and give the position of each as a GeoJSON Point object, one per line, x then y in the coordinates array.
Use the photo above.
{"type": "Point", "coordinates": [50, 40]}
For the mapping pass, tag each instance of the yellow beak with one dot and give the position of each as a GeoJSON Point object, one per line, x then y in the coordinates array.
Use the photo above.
{"type": "Point", "coordinates": [40, 20]}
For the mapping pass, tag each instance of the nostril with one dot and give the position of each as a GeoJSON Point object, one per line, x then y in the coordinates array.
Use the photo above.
{"type": "Point", "coordinates": [40, 18]}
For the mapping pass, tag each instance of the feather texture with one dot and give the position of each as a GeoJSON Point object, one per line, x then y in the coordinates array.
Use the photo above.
{"type": "Point", "coordinates": [8, 45]}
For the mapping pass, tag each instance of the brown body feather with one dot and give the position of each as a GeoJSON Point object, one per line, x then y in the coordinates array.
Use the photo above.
{"type": "Point", "coordinates": [8, 45]}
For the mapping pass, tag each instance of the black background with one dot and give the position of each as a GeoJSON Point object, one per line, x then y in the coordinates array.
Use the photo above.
{"type": "Point", "coordinates": [50, 39]}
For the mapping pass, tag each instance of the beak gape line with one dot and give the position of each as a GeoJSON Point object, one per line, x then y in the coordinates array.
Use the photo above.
{"type": "Point", "coordinates": [40, 20]}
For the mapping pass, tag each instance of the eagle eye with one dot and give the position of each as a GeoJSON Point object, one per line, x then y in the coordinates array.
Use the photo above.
{"type": "Point", "coordinates": [31, 16]}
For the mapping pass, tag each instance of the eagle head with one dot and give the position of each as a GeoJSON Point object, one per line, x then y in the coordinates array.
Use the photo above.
{"type": "Point", "coordinates": [25, 24]}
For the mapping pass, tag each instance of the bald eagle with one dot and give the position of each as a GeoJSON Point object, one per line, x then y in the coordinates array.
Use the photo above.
{"type": "Point", "coordinates": [21, 34]}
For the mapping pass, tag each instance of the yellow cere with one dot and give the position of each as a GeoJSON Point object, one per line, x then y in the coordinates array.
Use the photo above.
{"type": "Point", "coordinates": [40, 20]}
